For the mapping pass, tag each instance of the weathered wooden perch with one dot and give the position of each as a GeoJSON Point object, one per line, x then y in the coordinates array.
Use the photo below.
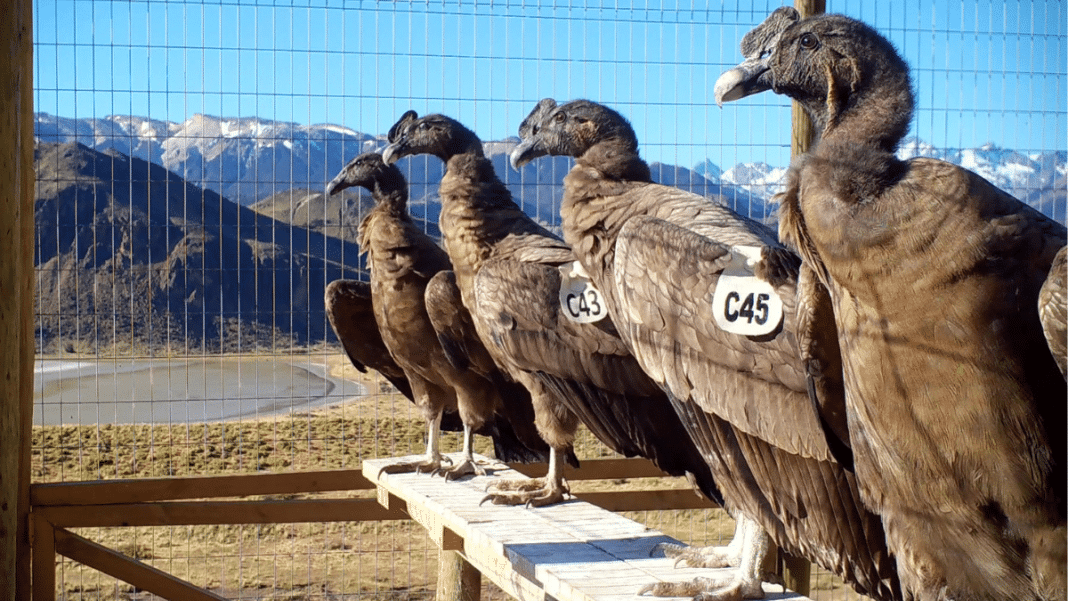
{"type": "Point", "coordinates": [573, 551]}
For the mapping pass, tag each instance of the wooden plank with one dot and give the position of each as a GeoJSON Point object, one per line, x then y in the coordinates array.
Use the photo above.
{"type": "Point", "coordinates": [182, 513]}
{"type": "Point", "coordinates": [572, 551]}
{"type": "Point", "coordinates": [129, 570]}
{"type": "Point", "coordinates": [44, 561]}
{"type": "Point", "coordinates": [109, 492]}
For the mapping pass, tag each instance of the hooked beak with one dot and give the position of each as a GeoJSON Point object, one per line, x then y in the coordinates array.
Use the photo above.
{"type": "Point", "coordinates": [527, 151]}
{"type": "Point", "coordinates": [392, 153]}
{"type": "Point", "coordinates": [337, 184]}
{"type": "Point", "coordinates": [750, 77]}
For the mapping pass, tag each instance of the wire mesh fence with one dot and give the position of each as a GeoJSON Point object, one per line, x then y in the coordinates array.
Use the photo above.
{"type": "Point", "coordinates": [184, 241]}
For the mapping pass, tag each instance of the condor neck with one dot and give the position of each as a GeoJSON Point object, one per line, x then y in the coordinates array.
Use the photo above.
{"type": "Point", "coordinates": [393, 200]}
{"type": "Point", "coordinates": [616, 159]}
{"type": "Point", "coordinates": [876, 119]}
{"type": "Point", "coordinates": [470, 147]}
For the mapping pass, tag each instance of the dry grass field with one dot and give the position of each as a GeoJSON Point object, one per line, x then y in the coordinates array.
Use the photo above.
{"type": "Point", "coordinates": [317, 561]}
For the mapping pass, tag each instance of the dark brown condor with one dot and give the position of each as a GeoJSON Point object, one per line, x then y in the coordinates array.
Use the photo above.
{"type": "Point", "coordinates": [956, 408]}
{"type": "Point", "coordinates": [403, 262]}
{"type": "Point", "coordinates": [348, 307]}
{"type": "Point", "coordinates": [705, 300]}
{"type": "Point", "coordinates": [508, 272]}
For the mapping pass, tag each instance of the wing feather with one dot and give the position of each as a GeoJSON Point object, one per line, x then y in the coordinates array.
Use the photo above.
{"type": "Point", "coordinates": [664, 279]}
{"type": "Point", "coordinates": [349, 309]}
{"type": "Point", "coordinates": [453, 325]}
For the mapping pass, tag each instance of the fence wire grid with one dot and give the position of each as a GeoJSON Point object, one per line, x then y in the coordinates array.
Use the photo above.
{"type": "Point", "coordinates": [184, 241]}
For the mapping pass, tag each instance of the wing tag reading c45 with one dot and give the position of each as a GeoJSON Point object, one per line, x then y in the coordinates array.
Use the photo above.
{"type": "Point", "coordinates": [742, 303]}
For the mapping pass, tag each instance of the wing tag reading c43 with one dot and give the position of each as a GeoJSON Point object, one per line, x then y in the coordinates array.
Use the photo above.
{"type": "Point", "coordinates": [579, 299]}
{"type": "Point", "coordinates": [742, 303]}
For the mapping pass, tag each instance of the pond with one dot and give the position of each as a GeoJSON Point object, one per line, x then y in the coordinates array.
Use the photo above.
{"type": "Point", "coordinates": [185, 390]}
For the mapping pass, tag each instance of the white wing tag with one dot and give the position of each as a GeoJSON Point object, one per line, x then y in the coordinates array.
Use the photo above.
{"type": "Point", "coordinates": [742, 303]}
{"type": "Point", "coordinates": [579, 299]}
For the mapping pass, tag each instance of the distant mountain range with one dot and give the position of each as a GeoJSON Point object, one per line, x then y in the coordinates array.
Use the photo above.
{"type": "Point", "coordinates": [1038, 179]}
{"type": "Point", "coordinates": [248, 160]}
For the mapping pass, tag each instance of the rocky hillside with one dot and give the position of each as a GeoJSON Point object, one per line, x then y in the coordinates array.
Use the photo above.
{"type": "Point", "coordinates": [129, 253]}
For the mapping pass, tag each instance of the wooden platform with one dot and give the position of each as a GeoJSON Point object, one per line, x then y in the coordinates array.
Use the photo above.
{"type": "Point", "coordinates": [573, 551]}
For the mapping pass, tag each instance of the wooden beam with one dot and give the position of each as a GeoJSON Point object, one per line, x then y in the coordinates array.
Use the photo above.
{"type": "Point", "coordinates": [797, 571]}
{"type": "Point", "coordinates": [16, 295]}
{"type": "Point", "coordinates": [197, 513]}
{"type": "Point", "coordinates": [139, 574]}
{"type": "Point", "coordinates": [44, 561]}
{"type": "Point", "coordinates": [109, 492]}
{"type": "Point", "coordinates": [144, 490]}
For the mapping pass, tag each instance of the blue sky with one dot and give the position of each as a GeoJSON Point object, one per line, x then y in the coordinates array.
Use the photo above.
{"type": "Point", "coordinates": [984, 71]}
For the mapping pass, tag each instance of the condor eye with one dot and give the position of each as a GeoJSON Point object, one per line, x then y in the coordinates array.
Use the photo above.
{"type": "Point", "coordinates": [559, 117]}
{"type": "Point", "coordinates": [808, 41]}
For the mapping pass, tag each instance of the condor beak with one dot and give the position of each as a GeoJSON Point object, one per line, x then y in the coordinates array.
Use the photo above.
{"type": "Point", "coordinates": [337, 184]}
{"type": "Point", "coordinates": [527, 151]}
{"type": "Point", "coordinates": [393, 153]}
{"type": "Point", "coordinates": [751, 77]}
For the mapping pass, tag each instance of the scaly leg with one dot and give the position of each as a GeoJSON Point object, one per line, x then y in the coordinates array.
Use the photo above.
{"type": "Point", "coordinates": [467, 466]}
{"type": "Point", "coordinates": [537, 492]}
{"type": "Point", "coordinates": [742, 583]}
{"type": "Point", "coordinates": [714, 556]}
{"type": "Point", "coordinates": [433, 459]}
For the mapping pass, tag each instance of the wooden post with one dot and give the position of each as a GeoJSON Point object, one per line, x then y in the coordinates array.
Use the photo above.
{"type": "Point", "coordinates": [457, 579]}
{"type": "Point", "coordinates": [16, 289]}
{"type": "Point", "coordinates": [803, 132]}
{"type": "Point", "coordinates": [797, 572]}
{"type": "Point", "coordinates": [44, 561]}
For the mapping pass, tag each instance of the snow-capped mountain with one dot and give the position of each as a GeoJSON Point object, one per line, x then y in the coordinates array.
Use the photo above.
{"type": "Point", "coordinates": [1038, 179]}
{"type": "Point", "coordinates": [760, 179]}
{"type": "Point", "coordinates": [251, 159]}
{"type": "Point", "coordinates": [245, 160]}
{"type": "Point", "coordinates": [1019, 174]}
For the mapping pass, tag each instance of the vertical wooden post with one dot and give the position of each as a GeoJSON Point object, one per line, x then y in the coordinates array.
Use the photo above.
{"type": "Point", "coordinates": [803, 132]}
{"type": "Point", "coordinates": [16, 289]}
{"type": "Point", "coordinates": [44, 561]}
{"type": "Point", "coordinates": [457, 579]}
{"type": "Point", "coordinates": [797, 571]}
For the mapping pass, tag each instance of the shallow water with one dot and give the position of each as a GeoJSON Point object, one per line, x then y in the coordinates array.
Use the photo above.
{"type": "Point", "coordinates": [168, 391]}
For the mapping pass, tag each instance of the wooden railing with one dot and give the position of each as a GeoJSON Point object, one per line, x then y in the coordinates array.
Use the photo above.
{"type": "Point", "coordinates": [211, 500]}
